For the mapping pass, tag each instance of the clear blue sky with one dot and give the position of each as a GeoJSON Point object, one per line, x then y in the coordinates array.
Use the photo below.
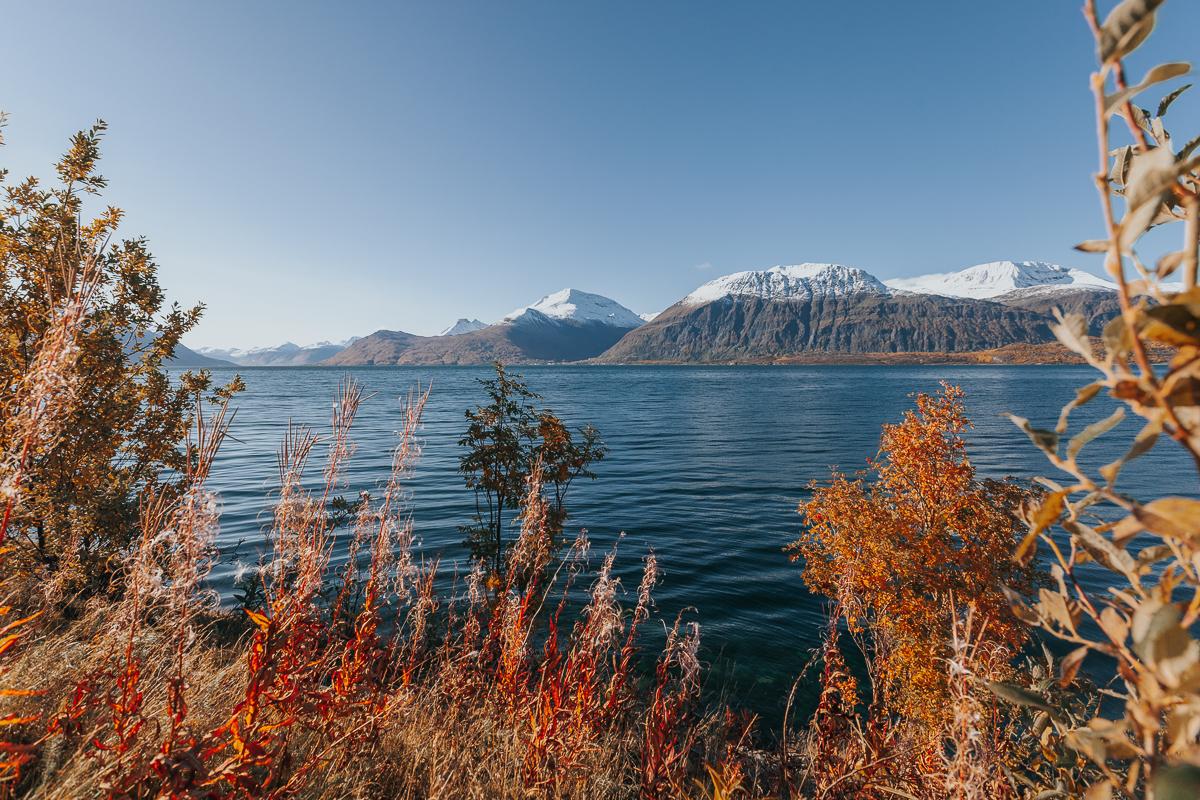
{"type": "Point", "coordinates": [314, 171]}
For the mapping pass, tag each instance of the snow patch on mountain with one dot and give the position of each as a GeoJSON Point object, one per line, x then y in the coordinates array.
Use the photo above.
{"type": "Point", "coordinates": [577, 306]}
{"type": "Point", "coordinates": [795, 282]}
{"type": "Point", "coordinates": [987, 281]}
{"type": "Point", "coordinates": [463, 325]}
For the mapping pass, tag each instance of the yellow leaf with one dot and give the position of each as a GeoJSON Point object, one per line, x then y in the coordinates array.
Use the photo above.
{"type": "Point", "coordinates": [1177, 517]}
{"type": "Point", "coordinates": [258, 619]}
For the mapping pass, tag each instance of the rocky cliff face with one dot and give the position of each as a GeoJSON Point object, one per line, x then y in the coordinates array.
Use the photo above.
{"type": "Point", "coordinates": [831, 308]}
{"type": "Point", "coordinates": [754, 327]}
{"type": "Point", "coordinates": [1097, 306]}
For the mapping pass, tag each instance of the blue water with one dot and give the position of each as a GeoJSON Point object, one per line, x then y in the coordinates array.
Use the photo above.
{"type": "Point", "coordinates": [706, 466]}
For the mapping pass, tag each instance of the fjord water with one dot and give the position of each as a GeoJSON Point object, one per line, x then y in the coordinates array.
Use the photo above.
{"type": "Point", "coordinates": [706, 466]}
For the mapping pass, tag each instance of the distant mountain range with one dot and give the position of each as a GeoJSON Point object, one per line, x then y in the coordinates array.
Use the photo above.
{"type": "Point", "coordinates": [754, 315]}
{"type": "Point", "coordinates": [287, 354]}
{"type": "Point", "coordinates": [183, 358]}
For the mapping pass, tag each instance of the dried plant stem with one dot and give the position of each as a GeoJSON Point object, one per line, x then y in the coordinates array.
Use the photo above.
{"type": "Point", "coordinates": [1114, 260]}
{"type": "Point", "coordinates": [1191, 247]}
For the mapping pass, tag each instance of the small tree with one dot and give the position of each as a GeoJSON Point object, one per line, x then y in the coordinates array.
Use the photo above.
{"type": "Point", "coordinates": [505, 440]}
{"type": "Point", "coordinates": [564, 459]}
{"type": "Point", "coordinates": [118, 419]}
{"type": "Point", "coordinates": [902, 546]}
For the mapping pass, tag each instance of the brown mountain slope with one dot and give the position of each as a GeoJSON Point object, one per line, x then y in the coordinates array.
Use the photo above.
{"type": "Point", "coordinates": [1096, 305]}
{"type": "Point", "coordinates": [381, 347]}
{"type": "Point", "coordinates": [749, 327]}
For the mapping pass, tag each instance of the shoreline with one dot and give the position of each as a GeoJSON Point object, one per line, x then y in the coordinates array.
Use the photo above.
{"type": "Point", "coordinates": [1041, 354]}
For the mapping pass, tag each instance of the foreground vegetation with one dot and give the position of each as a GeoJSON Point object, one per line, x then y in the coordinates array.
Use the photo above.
{"type": "Point", "coordinates": [121, 677]}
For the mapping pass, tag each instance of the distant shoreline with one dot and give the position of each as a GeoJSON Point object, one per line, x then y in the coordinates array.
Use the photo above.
{"type": "Point", "coordinates": [1041, 354]}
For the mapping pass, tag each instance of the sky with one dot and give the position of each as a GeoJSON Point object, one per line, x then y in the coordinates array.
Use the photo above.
{"type": "Point", "coordinates": [314, 171]}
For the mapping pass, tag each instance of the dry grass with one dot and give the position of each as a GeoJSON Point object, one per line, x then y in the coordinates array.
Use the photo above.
{"type": "Point", "coordinates": [388, 690]}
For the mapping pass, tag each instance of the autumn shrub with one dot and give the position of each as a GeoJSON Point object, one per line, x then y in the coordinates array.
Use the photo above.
{"type": "Point", "coordinates": [905, 547]}
{"type": "Point", "coordinates": [83, 454]}
{"type": "Point", "coordinates": [505, 440]}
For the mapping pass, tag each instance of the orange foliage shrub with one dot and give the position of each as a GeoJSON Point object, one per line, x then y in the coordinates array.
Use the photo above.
{"type": "Point", "coordinates": [899, 544]}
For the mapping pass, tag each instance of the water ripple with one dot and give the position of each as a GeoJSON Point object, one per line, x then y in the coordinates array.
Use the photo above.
{"type": "Point", "coordinates": [707, 465]}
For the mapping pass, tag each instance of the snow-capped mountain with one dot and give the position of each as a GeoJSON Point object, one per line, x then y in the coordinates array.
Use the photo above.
{"type": "Point", "coordinates": [576, 306]}
{"type": "Point", "coordinates": [987, 281]}
{"type": "Point", "coordinates": [831, 308]}
{"type": "Point", "coordinates": [795, 282]}
{"type": "Point", "coordinates": [463, 325]}
{"type": "Point", "coordinates": [649, 316]}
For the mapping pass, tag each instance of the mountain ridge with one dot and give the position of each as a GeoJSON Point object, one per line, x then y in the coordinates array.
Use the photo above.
{"type": "Point", "coordinates": [793, 282]}
{"type": "Point", "coordinates": [288, 354]}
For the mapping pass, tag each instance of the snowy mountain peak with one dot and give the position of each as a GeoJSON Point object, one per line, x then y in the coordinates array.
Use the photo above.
{"type": "Point", "coordinates": [985, 281]}
{"type": "Point", "coordinates": [795, 282]}
{"type": "Point", "coordinates": [463, 325]}
{"type": "Point", "coordinates": [572, 304]}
